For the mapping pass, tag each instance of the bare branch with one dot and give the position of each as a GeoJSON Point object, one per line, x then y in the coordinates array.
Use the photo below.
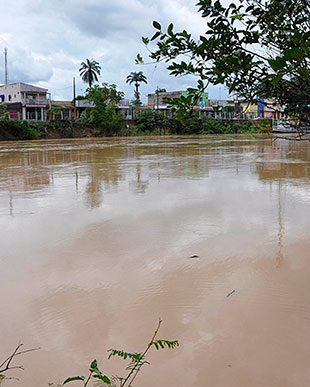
{"type": "Point", "coordinates": [5, 365]}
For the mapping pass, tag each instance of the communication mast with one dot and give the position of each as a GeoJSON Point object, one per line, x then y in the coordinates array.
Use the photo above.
{"type": "Point", "coordinates": [6, 77]}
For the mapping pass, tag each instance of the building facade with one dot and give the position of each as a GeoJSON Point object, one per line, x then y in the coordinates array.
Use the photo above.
{"type": "Point", "coordinates": [158, 99]}
{"type": "Point", "coordinates": [24, 101]}
{"type": "Point", "coordinates": [270, 108]}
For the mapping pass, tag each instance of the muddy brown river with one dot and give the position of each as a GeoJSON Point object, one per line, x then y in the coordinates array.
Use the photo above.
{"type": "Point", "coordinates": [95, 244]}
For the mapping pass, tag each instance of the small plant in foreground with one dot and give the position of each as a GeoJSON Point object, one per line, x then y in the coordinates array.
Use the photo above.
{"type": "Point", "coordinates": [6, 365]}
{"type": "Point", "coordinates": [136, 361]}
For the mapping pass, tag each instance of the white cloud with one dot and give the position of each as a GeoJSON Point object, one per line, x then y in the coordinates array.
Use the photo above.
{"type": "Point", "coordinates": [47, 40]}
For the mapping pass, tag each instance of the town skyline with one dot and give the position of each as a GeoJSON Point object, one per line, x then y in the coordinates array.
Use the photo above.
{"type": "Point", "coordinates": [48, 41]}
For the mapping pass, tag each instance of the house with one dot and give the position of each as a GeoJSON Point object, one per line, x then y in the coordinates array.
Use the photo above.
{"type": "Point", "coordinates": [61, 110]}
{"type": "Point", "coordinates": [158, 101]}
{"type": "Point", "coordinates": [24, 101]}
{"type": "Point", "coordinates": [124, 107]}
{"type": "Point", "coordinates": [250, 110]}
{"type": "Point", "coordinates": [270, 108]}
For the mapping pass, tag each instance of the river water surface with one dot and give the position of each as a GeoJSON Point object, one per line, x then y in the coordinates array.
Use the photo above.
{"type": "Point", "coordinates": [95, 245]}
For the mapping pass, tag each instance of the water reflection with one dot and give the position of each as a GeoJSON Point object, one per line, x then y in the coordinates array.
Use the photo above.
{"type": "Point", "coordinates": [95, 239]}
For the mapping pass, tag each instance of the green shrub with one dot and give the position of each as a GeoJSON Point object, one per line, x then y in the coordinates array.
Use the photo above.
{"type": "Point", "coordinates": [152, 121]}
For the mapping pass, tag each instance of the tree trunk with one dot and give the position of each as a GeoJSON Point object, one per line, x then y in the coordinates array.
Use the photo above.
{"type": "Point", "coordinates": [137, 91]}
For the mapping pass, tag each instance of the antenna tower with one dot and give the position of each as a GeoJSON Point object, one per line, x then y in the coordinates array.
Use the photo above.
{"type": "Point", "coordinates": [6, 77]}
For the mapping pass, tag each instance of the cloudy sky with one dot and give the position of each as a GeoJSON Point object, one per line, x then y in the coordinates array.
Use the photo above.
{"type": "Point", "coordinates": [48, 39]}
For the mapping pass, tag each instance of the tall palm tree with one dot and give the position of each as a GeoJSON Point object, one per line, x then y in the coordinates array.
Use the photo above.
{"type": "Point", "coordinates": [89, 71]}
{"type": "Point", "coordinates": [136, 78]}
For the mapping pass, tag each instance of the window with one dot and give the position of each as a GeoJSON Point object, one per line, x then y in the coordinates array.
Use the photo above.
{"type": "Point", "coordinates": [10, 97]}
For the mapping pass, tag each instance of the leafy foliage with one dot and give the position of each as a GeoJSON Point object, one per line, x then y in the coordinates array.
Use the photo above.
{"type": "Point", "coordinates": [124, 355]}
{"type": "Point", "coordinates": [94, 374]}
{"type": "Point", "coordinates": [256, 49]}
{"type": "Point", "coordinates": [160, 90]}
{"type": "Point", "coordinates": [152, 121]}
{"type": "Point", "coordinates": [188, 123]}
{"type": "Point", "coordinates": [162, 343]}
{"type": "Point", "coordinates": [3, 112]}
{"type": "Point", "coordinates": [89, 71]}
{"type": "Point", "coordinates": [18, 130]}
{"type": "Point", "coordinates": [68, 380]}
{"type": "Point", "coordinates": [104, 114]}
{"type": "Point", "coordinates": [136, 78]}
{"type": "Point", "coordinates": [136, 361]}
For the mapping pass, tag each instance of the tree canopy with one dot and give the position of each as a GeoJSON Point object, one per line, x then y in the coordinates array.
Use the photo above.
{"type": "Point", "coordinates": [257, 49]}
{"type": "Point", "coordinates": [89, 71]}
{"type": "Point", "coordinates": [105, 113]}
{"type": "Point", "coordinates": [136, 78]}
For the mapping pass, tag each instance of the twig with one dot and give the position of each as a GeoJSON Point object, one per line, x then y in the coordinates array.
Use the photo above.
{"type": "Point", "coordinates": [134, 369]}
{"type": "Point", "coordinates": [232, 292]}
{"type": "Point", "coordinates": [16, 352]}
{"type": "Point", "coordinates": [88, 379]}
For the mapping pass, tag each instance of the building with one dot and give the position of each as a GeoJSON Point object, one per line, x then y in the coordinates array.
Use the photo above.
{"type": "Point", "coordinates": [250, 110]}
{"type": "Point", "coordinates": [24, 101]}
{"type": "Point", "coordinates": [124, 107]}
{"type": "Point", "coordinates": [156, 99]}
{"type": "Point", "coordinates": [270, 108]}
{"type": "Point", "coordinates": [61, 110]}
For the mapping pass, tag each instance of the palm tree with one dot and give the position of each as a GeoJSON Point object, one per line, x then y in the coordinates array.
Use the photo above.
{"type": "Point", "coordinates": [89, 71]}
{"type": "Point", "coordinates": [136, 78]}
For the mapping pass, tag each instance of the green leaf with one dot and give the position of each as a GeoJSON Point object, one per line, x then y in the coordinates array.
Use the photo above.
{"type": "Point", "coordinates": [200, 84]}
{"type": "Point", "coordinates": [145, 40]}
{"type": "Point", "coordinates": [217, 5]}
{"type": "Point", "coordinates": [304, 73]}
{"type": "Point", "coordinates": [277, 64]}
{"type": "Point", "coordinates": [94, 365]}
{"type": "Point", "coordinates": [156, 25]}
{"type": "Point", "coordinates": [104, 378]}
{"type": "Point", "coordinates": [231, 88]}
{"type": "Point", "coordinates": [139, 59]}
{"type": "Point", "coordinates": [239, 17]}
{"type": "Point", "coordinates": [292, 53]}
{"type": "Point", "coordinates": [73, 379]}
{"type": "Point", "coordinates": [170, 28]}
{"type": "Point", "coordinates": [161, 343]}
{"type": "Point", "coordinates": [277, 79]}
{"type": "Point", "coordinates": [296, 53]}
{"type": "Point", "coordinates": [156, 35]}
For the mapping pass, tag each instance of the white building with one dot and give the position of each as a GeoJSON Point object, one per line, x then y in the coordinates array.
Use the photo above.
{"type": "Point", "coordinates": [24, 102]}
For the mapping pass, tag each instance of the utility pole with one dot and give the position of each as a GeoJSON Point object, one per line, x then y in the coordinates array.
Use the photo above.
{"type": "Point", "coordinates": [157, 98]}
{"type": "Point", "coordinates": [74, 98]}
{"type": "Point", "coordinates": [6, 77]}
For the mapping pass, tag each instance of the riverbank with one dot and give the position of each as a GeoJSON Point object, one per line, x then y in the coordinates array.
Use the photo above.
{"type": "Point", "coordinates": [12, 130]}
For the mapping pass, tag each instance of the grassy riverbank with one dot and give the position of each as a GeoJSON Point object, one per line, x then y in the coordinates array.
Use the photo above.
{"type": "Point", "coordinates": [147, 124]}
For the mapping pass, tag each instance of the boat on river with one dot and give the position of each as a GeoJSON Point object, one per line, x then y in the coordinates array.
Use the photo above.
{"type": "Point", "coordinates": [289, 127]}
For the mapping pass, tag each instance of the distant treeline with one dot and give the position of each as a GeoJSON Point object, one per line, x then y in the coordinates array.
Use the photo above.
{"type": "Point", "coordinates": [148, 122]}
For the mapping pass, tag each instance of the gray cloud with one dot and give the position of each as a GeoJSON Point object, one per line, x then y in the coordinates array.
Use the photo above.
{"type": "Point", "coordinates": [47, 40]}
